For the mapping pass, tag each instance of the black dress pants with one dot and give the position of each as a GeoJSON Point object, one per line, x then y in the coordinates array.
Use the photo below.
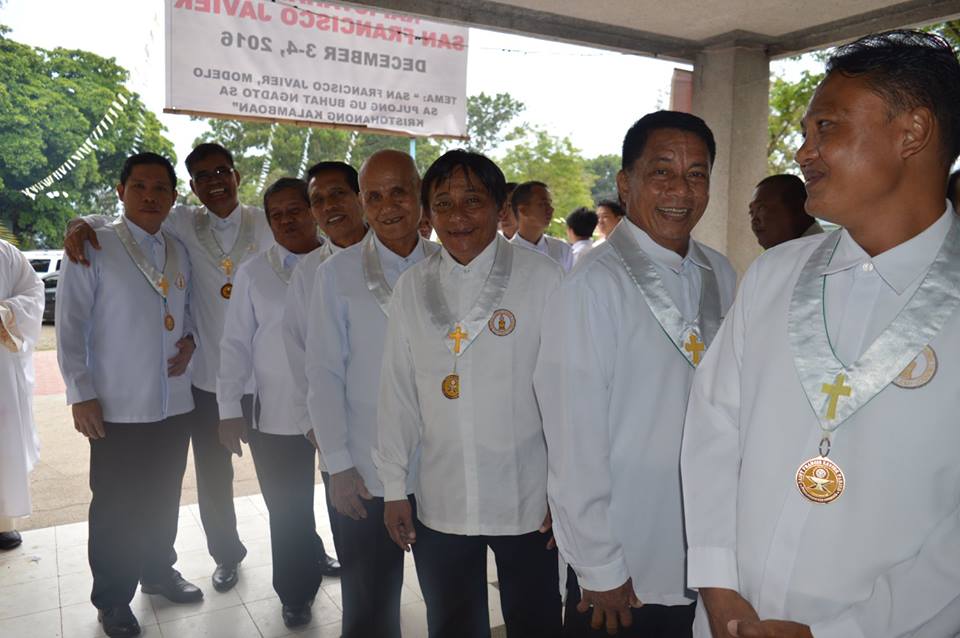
{"type": "Point", "coordinates": [649, 621]}
{"type": "Point", "coordinates": [286, 471]}
{"type": "Point", "coordinates": [372, 574]}
{"type": "Point", "coordinates": [136, 472]}
{"type": "Point", "coordinates": [452, 570]}
{"type": "Point", "coordinates": [214, 470]}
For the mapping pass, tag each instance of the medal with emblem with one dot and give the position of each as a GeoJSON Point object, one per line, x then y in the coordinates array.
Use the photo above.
{"type": "Point", "coordinates": [451, 383]}
{"type": "Point", "coordinates": [169, 322]}
{"type": "Point", "coordinates": [226, 265]}
{"type": "Point", "coordinates": [226, 290]}
{"type": "Point", "coordinates": [820, 480]}
{"type": "Point", "coordinates": [919, 372]}
{"type": "Point", "coordinates": [502, 322]}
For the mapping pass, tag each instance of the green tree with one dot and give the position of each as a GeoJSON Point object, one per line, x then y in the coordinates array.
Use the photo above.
{"type": "Point", "coordinates": [556, 162]}
{"type": "Point", "coordinates": [489, 119]}
{"type": "Point", "coordinates": [50, 102]}
{"type": "Point", "coordinates": [604, 168]}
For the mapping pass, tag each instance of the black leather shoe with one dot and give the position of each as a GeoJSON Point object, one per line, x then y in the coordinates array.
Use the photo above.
{"type": "Point", "coordinates": [119, 622]}
{"type": "Point", "coordinates": [225, 577]}
{"type": "Point", "coordinates": [10, 540]}
{"type": "Point", "coordinates": [329, 566]}
{"type": "Point", "coordinates": [297, 615]}
{"type": "Point", "coordinates": [175, 589]}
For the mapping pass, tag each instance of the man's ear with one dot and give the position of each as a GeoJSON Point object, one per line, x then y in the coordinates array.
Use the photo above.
{"type": "Point", "coordinates": [120, 192]}
{"type": "Point", "coordinates": [918, 126]}
{"type": "Point", "coordinates": [623, 185]}
{"type": "Point", "coordinates": [239, 176]}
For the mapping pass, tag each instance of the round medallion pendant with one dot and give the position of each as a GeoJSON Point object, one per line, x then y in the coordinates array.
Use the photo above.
{"type": "Point", "coordinates": [502, 322]}
{"type": "Point", "coordinates": [169, 323]}
{"type": "Point", "coordinates": [919, 372]}
{"type": "Point", "coordinates": [451, 386]}
{"type": "Point", "coordinates": [226, 290]}
{"type": "Point", "coordinates": [820, 480]}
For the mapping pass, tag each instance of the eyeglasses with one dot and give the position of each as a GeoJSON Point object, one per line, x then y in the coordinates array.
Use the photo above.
{"type": "Point", "coordinates": [204, 177]}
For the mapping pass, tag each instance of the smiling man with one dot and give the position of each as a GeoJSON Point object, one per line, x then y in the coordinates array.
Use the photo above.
{"type": "Point", "coordinates": [252, 349]}
{"type": "Point", "coordinates": [125, 336]}
{"type": "Point", "coordinates": [344, 352]}
{"type": "Point", "coordinates": [820, 473]}
{"type": "Point", "coordinates": [456, 389]}
{"type": "Point", "coordinates": [624, 335]}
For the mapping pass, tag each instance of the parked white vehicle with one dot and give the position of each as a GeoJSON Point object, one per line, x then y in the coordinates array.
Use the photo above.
{"type": "Point", "coordinates": [45, 262]}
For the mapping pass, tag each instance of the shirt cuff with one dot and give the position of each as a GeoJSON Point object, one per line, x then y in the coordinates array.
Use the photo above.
{"type": "Point", "coordinates": [80, 392]}
{"type": "Point", "coordinates": [230, 410]}
{"type": "Point", "coordinates": [10, 336]}
{"type": "Point", "coordinates": [712, 567]}
{"type": "Point", "coordinates": [604, 577]}
{"type": "Point", "coordinates": [337, 460]}
{"type": "Point", "coordinates": [395, 491]}
{"type": "Point", "coordinates": [843, 626]}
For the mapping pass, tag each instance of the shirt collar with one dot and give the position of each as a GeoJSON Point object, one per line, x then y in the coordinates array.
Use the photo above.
{"type": "Point", "coordinates": [223, 222]}
{"type": "Point", "coordinates": [899, 266]}
{"type": "Point", "coordinates": [391, 260]}
{"type": "Point", "coordinates": [664, 256]}
{"type": "Point", "coordinates": [540, 245]}
{"type": "Point", "coordinates": [481, 263]}
{"type": "Point", "coordinates": [140, 234]}
{"type": "Point", "coordinates": [287, 258]}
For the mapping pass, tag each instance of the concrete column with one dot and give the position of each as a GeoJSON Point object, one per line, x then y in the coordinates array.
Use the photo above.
{"type": "Point", "coordinates": [731, 93]}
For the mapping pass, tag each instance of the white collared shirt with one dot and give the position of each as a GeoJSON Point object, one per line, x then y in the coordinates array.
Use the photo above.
{"type": "Point", "coordinates": [113, 345]}
{"type": "Point", "coordinates": [208, 305]}
{"type": "Point", "coordinates": [613, 389]}
{"type": "Point", "coordinates": [296, 319]}
{"type": "Point", "coordinates": [556, 249]}
{"type": "Point", "coordinates": [884, 558]}
{"type": "Point", "coordinates": [482, 456]}
{"type": "Point", "coordinates": [579, 247]}
{"type": "Point", "coordinates": [252, 346]}
{"type": "Point", "coordinates": [345, 340]}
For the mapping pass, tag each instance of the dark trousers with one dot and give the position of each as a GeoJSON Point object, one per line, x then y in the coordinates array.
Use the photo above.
{"type": "Point", "coordinates": [372, 574]}
{"type": "Point", "coordinates": [214, 470]}
{"type": "Point", "coordinates": [649, 621]}
{"type": "Point", "coordinates": [286, 471]}
{"type": "Point", "coordinates": [452, 570]}
{"type": "Point", "coordinates": [136, 472]}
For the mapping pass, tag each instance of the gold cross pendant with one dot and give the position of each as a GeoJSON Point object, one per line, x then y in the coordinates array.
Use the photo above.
{"type": "Point", "coordinates": [457, 335]}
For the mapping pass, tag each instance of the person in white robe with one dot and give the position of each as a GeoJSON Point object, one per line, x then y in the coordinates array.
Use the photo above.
{"type": "Point", "coordinates": [456, 389]}
{"type": "Point", "coordinates": [532, 204]}
{"type": "Point", "coordinates": [21, 313]}
{"type": "Point", "coordinates": [345, 341]}
{"type": "Point", "coordinates": [621, 340]}
{"type": "Point", "coordinates": [820, 475]}
{"type": "Point", "coordinates": [580, 226]}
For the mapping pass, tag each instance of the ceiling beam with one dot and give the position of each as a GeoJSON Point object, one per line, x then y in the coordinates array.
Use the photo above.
{"type": "Point", "coordinates": [543, 24]}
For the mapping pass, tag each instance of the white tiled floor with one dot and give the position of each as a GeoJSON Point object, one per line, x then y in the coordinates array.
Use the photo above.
{"type": "Point", "coordinates": [45, 587]}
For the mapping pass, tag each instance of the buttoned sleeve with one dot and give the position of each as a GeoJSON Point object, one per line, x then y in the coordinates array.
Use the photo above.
{"type": "Point", "coordinates": [326, 369]}
{"type": "Point", "coordinates": [22, 312]}
{"type": "Point", "coordinates": [295, 340]}
{"type": "Point", "coordinates": [572, 381]}
{"type": "Point", "coordinates": [76, 293]}
{"type": "Point", "coordinates": [236, 346]}
{"type": "Point", "coordinates": [710, 456]}
{"type": "Point", "coordinates": [398, 408]}
{"type": "Point", "coordinates": [915, 594]}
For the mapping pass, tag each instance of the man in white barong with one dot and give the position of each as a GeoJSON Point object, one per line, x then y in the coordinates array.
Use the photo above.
{"type": "Point", "coordinates": [345, 341]}
{"type": "Point", "coordinates": [457, 389]}
{"type": "Point", "coordinates": [334, 194]}
{"type": "Point", "coordinates": [820, 474]}
{"type": "Point", "coordinates": [21, 312]}
{"type": "Point", "coordinates": [532, 204]}
{"type": "Point", "coordinates": [621, 340]}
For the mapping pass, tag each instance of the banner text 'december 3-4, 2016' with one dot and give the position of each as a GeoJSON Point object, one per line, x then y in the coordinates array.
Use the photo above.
{"type": "Point", "coordinates": [316, 62]}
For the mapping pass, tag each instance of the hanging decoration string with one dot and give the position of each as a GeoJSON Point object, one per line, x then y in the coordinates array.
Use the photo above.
{"type": "Point", "coordinates": [306, 150]}
{"type": "Point", "coordinates": [267, 160]}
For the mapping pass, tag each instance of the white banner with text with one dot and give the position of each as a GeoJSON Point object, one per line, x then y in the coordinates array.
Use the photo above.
{"type": "Point", "coordinates": [316, 62]}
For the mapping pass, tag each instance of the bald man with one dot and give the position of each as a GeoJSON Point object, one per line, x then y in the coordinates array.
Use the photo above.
{"type": "Point", "coordinates": [777, 211]}
{"type": "Point", "coordinates": [345, 342]}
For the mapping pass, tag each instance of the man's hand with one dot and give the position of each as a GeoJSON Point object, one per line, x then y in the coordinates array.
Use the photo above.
{"type": "Point", "coordinates": [545, 529]}
{"type": "Point", "coordinates": [611, 609]}
{"type": "Point", "coordinates": [768, 629]}
{"type": "Point", "coordinates": [346, 490]}
{"type": "Point", "coordinates": [88, 419]}
{"type": "Point", "coordinates": [78, 234]}
{"type": "Point", "coordinates": [398, 517]}
{"type": "Point", "coordinates": [724, 606]}
{"type": "Point", "coordinates": [231, 432]}
{"type": "Point", "coordinates": [177, 364]}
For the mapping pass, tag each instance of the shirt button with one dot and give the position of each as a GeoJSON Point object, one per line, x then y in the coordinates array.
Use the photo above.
{"type": "Point", "coordinates": [867, 267]}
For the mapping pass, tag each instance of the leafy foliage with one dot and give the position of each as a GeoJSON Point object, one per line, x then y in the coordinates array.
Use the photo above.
{"type": "Point", "coordinates": [604, 168]}
{"type": "Point", "coordinates": [50, 101]}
